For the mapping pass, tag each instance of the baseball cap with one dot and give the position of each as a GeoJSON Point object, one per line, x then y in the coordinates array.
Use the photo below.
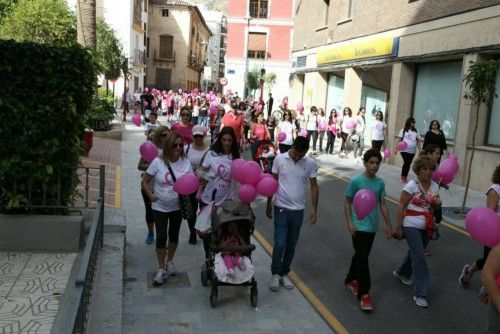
{"type": "Point", "coordinates": [199, 130]}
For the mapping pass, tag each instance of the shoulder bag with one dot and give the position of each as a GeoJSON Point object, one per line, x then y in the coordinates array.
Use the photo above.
{"type": "Point", "coordinates": [187, 210]}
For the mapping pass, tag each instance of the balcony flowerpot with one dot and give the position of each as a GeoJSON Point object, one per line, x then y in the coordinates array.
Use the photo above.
{"type": "Point", "coordinates": [88, 140]}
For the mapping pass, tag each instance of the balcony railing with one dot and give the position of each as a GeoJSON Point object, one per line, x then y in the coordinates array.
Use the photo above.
{"type": "Point", "coordinates": [223, 30]}
{"type": "Point", "coordinates": [139, 57]}
{"type": "Point", "coordinates": [157, 57]}
{"type": "Point", "coordinates": [223, 45]}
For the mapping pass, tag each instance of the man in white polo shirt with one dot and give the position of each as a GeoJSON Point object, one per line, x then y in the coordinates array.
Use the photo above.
{"type": "Point", "coordinates": [292, 170]}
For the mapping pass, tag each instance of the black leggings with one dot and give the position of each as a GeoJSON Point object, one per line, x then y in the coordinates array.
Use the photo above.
{"type": "Point", "coordinates": [162, 220]}
{"type": "Point", "coordinates": [330, 141]}
{"type": "Point", "coordinates": [343, 135]}
{"type": "Point", "coordinates": [407, 159]}
{"type": "Point", "coordinates": [314, 135]}
{"type": "Point", "coordinates": [149, 211]}
{"type": "Point", "coordinates": [377, 144]}
{"type": "Point", "coordinates": [194, 204]}
{"type": "Point", "coordinates": [480, 262]}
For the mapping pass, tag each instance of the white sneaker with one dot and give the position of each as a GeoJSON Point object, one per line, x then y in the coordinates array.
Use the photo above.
{"type": "Point", "coordinates": [170, 269]}
{"type": "Point", "coordinates": [421, 301]}
{"type": "Point", "coordinates": [285, 281]}
{"type": "Point", "coordinates": [161, 275]}
{"type": "Point", "coordinates": [275, 283]}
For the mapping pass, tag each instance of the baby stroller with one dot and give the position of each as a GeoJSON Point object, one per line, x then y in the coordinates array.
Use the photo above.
{"type": "Point", "coordinates": [264, 155]}
{"type": "Point", "coordinates": [243, 216]}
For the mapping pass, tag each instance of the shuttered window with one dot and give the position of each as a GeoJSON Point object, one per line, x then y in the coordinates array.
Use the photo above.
{"type": "Point", "coordinates": [257, 45]}
{"type": "Point", "coordinates": [166, 46]}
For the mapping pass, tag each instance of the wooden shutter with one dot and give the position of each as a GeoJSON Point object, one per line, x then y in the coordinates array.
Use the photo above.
{"type": "Point", "coordinates": [257, 41]}
{"type": "Point", "coordinates": [166, 46]}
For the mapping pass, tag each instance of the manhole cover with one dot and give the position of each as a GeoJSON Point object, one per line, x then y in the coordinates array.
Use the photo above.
{"type": "Point", "coordinates": [180, 280]}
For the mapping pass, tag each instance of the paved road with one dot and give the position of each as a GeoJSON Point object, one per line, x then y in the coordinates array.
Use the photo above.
{"type": "Point", "coordinates": [323, 256]}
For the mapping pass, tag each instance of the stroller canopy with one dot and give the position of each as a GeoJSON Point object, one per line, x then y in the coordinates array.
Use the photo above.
{"type": "Point", "coordinates": [232, 211]}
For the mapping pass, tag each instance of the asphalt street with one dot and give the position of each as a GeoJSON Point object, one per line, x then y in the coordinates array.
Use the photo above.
{"type": "Point", "coordinates": [323, 256]}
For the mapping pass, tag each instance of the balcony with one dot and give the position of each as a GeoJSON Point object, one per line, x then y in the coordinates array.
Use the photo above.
{"type": "Point", "coordinates": [221, 60]}
{"type": "Point", "coordinates": [139, 57]}
{"type": "Point", "coordinates": [164, 58]}
{"type": "Point", "coordinates": [223, 30]}
{"type": "Point", "coordinates": [223, 45]}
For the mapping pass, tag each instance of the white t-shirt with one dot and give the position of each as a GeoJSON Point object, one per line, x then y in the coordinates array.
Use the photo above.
{"type": "Point", "coordinates": [346, 119]}
{"type": "Point", "coordinates": [495, 187]}
{"type": "Point", "coordinates": [168, 199]}
{"type": "Point", "coordinates": [292, 180]}
{"type": "Point", "coordinates": [287, 128]}
{"type": "Point", "coordinates": [219, 175]}
{"type": "Point", "coordinates": [411, 138]}
{"type": "Point", "coordinates": [194, 156]}
{"type": "Point", "coordinates": [360, 125]}
{"type": "Point", "coordinates": [378, 130]}
{"type": "Point", "coordinates": [417, 204]}
{"type": "Point", "coordinates": [151, 126]}
{"type": "Point", "coordinates": [312, 122]}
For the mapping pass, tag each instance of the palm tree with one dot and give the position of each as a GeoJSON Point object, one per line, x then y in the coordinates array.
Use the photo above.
{"type": "Point", "coordinates": [86, 23]}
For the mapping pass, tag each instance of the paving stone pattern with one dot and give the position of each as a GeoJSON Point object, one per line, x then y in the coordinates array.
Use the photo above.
{"type": "Point", "coordinates": [30, 288]}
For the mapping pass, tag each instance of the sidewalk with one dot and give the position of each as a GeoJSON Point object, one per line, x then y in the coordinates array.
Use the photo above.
{"type": "Point", "coordinates": [182, 305]}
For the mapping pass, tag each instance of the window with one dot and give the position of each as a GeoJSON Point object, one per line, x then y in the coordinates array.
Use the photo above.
{"type": "Point", "coordinates": [164, 12]}
{"type": "Point", "coordinates": [147, 47]}
{"type": "Point", "coordinates": [256, 45]}
{"type": "Point", "coordinates": [166, 46]}
{"type": "Point", "coordinates": [494, 127]}
{"type": "Point", "coordinates": [258, 8]}
{"type": "Point", "coordinates": [437, 96]}
{"type": "Point", "coordinates": [145, 38]}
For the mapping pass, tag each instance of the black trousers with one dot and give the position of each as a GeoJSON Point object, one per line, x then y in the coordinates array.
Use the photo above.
{"type": "Point", "coordinates": [194, 204]}
{"type": "Point", "coordinates": [314, 135]}
{"type": "Point", "coordinates": [330, 141]}
{"type": "Point", "coordinates": [377, 144]}
{"type": "Point", "coordinates": [407, 160]}
{"type": "Point", "coordinates": [147, 205]}
{"type": "Point", "coordinates": [343, 135]}
{"type": "Point", "coordinates": [480, 262]}
{"type": "Point", "coordinates": [359, 270]}
{"type": "Point", "coordinates": [167, 221]}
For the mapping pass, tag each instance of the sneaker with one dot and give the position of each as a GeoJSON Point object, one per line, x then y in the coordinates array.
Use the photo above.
{"type": "Point", "coordinates": [161, 275]}
{"type": "Point", "coordinates": [192, 239]}
{"type": "Point", "coordinates": [353, 286]}
{"type": "Point", "coordinates": [285, 281]}
{"type": "Point", "coordinates": [421, 301]}
{"type": "Point", "coordinates": [404, 280]}
{"type": "Point", "coordinates": [483, 296]}
{"type": "Point", "coordinates": [366, 303]}
{"type": "Point", "coordinates": [150, 238]}
{"type": "Point", "coordinates": [275, 283]}
{"type": "Point", "coordinates": [465, 276]}
{"type": "Point", "coordinates": [170, 269]}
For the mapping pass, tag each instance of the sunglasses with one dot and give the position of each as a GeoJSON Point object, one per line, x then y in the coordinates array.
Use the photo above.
{"type": "Point", "coordinates": [177, 145]}
{"type": "Point", "coordinates": [286, 114]}
{"type": "Point", "coordinates": [198, 136]}
{"type": "Point", "coordinates": [164, 134]}
{"type": "Point", "coordinates": [187, 115]}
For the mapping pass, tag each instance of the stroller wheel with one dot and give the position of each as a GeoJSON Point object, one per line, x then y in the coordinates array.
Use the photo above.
{"type": "Point", "coordinates": [254, 296]}
{"type": "Point", "coordinates": [213, 297]}
{"type": "Point", "coordinates": [204, 276]}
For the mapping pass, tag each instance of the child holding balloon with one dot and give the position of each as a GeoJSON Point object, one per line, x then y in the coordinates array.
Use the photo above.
{"type": "Point", "coordinates": [363, 194]}
{"type": "Point", "coordinates": [492, 202]}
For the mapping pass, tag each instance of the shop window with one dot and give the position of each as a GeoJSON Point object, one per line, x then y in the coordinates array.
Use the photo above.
{"type": "Point", "coordinates": [164, 12]}
{"type": "Point", "coordinates": [437, 96]}
{"type": "Point", "coordinates": [257, 45]}
{"type": "Point", "coordinates": [493, 138]}
{"type": "Point", "coordinates": [166, 46]}
{"type": "Point", "coordinates": [258, 8]}
{"type": "Point", "coordinates": [335, 96]}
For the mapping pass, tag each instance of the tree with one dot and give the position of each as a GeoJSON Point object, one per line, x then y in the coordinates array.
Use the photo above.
{"type": "Point", "coordinates": [253, 78]}
{"type": "Point", "coordinates": [39, 21]}
{"type": "Point", "coordinates": [109, 53]}
{"type": "Point", "coordinates": [480, 80]}
{"type": "Point", "coordinates": [270, 80]}
{"type": "Point", "coordinates": [5, 7]}
{"type": "Point", "coordinates": [86, 23]}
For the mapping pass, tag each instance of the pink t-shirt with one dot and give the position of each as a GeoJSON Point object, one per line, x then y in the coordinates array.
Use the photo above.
{"type": "Point", "coordinates": [260, 131]}
{"type": "Point", "coordinates": [185, 132]}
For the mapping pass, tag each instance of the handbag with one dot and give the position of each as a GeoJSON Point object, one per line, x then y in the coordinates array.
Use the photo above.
{"type": "Point", "coordinates": [187, 210]}
{"type": "Point", "coordinates": [203, 223]}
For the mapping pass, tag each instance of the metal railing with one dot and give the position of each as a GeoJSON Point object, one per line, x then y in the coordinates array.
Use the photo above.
{"type": "Point", "coordinates": [156, 56]}
{"type": "Point", "coordinates": [139, 57]}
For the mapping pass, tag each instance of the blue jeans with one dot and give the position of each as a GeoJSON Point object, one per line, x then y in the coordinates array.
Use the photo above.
{"type": "Point", "coordinates": [203, 120]}
{"type": "Point", "coordinates": [287, 225]}
{"type": "Point", "coordinates": [414, 261]}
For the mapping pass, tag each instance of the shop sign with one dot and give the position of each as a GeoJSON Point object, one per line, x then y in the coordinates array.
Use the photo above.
{"type": "Point", "coordinates": [387, 46]}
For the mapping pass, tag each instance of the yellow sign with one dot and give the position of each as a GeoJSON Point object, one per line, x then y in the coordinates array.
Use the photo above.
{"type": "Point", "coordinates": [370, 49]}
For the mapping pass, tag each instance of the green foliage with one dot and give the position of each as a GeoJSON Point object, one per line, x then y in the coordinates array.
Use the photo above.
{"type": "Point", "coordinates": [40, 21]}
{"type": "Point", "coordinates": [480, 80]}
{"type": "Point", "coordinates": [270, 80]}
{"type": "Point", "coordinates": [253, 78]}
{"type": "Point", "coordinates": [6, 6]}
{"type": "Point", "coordinates": [44, 93]}
{"type": "Point", "coordinates": [102, 112]}
{"type": "Point", "coordinates": [108, 54]}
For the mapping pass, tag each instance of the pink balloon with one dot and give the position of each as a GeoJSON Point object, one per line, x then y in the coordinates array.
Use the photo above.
{"type": "Point", "coordinates": [402, 145]}
{"type": "Point", "coordinates": [300, 106]}
{"type": "Point", "coordinates": [281, 137]}
{"type": "Point", "coordinates": [448, 167]}
{"type": "Point", "coordinates": [267, 186]}
{"type": "Point", "coordinates": [238, 169]}
{"type": "Point", "coordinates": [264, 176]}
{"type": "Point", "coordinates": [303, 133]}
{"type": "Point", "coordinates": [136, 119]}
{"type": "Point", "coordinates": [350, 124]}
{"type": "Point", "coordinates": [436, 176]}
{"type": "Point", "coordinates": [483, 224]}
{"type": "Point", "coordinates": [186, 184]}
{"type": "Point", "coordinates": [212, 97]}
{"type": "Point", "coordinates": [364, 202]}
{"type": "Point", "coordinates": [148, 151]}
{"type": "Point", "coordinates": [247, 193]}
{"type": "Point", "coordinates": [251, 173]}
{"type": "Point", "coordinates": [387, 153]}
{"type": "Point", "coordinates": [214, 104]}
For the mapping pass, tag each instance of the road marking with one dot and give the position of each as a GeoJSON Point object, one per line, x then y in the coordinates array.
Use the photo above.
{"type": "Point", "coordinates": [392, 200]}
{"type": "Point", "coordinates": [330, 319]}
{"type": "Point", "coordinates": [118, 187]}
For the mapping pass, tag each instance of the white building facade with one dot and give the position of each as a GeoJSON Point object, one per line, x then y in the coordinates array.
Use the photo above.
{"type": "Point", "coordinates": [216, 51]}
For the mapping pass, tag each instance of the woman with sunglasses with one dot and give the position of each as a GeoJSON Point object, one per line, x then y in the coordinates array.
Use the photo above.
{"type": "Point", "coordinates": [411, 137]}
{"type": "Point", "coordinates": [288, 128]}
{"type": "Point", "coordinates": [436, 136]}
{"type": "Point", "coordinates": [195, 153]}
{"type": "Point", "coordinates": [158, 139]}
{"type": "Point", "coordinates": [184, 127]}
{"type": "Point", "coordinates": [171, 164]}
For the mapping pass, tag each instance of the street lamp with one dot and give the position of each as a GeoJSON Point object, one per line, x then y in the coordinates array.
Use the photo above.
{"type": "Point", "coordinates": [248, 18]}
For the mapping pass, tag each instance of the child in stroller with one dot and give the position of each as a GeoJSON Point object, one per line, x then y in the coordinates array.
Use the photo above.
{"type": "Point", "coordinates": [232, 259]}
{"type": "Point", "coordinates": [264, 155]}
